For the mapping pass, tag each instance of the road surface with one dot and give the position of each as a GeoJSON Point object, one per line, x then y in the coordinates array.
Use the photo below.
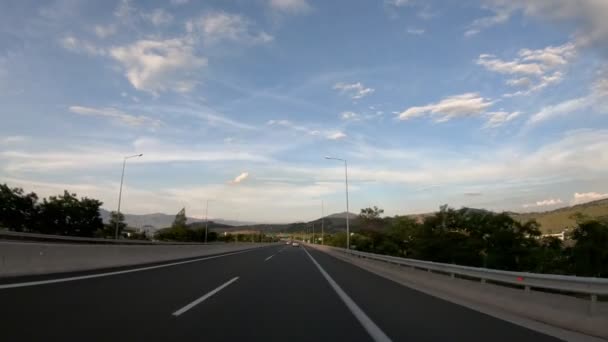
{"type": "Point", "coordinates": [276, 293]}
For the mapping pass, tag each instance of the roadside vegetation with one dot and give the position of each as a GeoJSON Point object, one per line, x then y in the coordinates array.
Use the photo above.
{"type": "Point", "coordinates": [481, 238]}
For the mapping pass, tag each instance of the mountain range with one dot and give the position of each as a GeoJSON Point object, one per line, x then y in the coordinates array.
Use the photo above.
{"type": "Point", "coordinates": [553, 221]}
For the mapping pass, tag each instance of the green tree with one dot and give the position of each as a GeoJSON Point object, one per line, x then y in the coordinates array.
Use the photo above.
{"type": "Point", "coordinates": [116, 218]}
{"type": "Point", "coordinates": [590, 253]}
{"type": "Point", "coordinates": [180, 219]}
{"type": "Point", "coordinates": [370, 218]}
{"type": "Point", "coordinates": [67, 215]}
{"type": "Point", "coordinates": [18, 210]}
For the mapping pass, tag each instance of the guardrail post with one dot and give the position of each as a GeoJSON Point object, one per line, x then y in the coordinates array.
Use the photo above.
{"type": "Point", "coordinates": [452, 275]}
{"type": "Point", "coordinates": [483, 281]}
{"type": "Point", "coordinates": [593, 304]}
{"type": "Point", "coordinates": [527, 288]}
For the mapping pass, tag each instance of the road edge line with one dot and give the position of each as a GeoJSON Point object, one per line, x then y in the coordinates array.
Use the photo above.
{"type": "Point", "coordinates": [372, 329]}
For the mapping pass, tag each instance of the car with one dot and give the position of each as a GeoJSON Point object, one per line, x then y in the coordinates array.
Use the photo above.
{"type": "Point", "coordinates": [295, 244]}
{"type": "Point", "coordinates": [288, 243]}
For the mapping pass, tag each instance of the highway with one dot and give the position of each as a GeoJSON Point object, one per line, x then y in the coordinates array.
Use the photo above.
{"type": "Point", "coordinates": [276, 293]}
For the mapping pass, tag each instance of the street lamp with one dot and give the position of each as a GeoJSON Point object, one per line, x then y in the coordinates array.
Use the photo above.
{"type": "Point", "coordinates": [347, 212]}
{"type": "Point", "coordinates": [122, 177]}
{"type": "Point", "coordinates": [206, 220]}
{"type": "Point", "coordinates": [322, 223]}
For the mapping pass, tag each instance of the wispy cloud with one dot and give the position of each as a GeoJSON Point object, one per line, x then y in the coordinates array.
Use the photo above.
{"type": "Point", "coordinates": [216, 27]}
{"type": "Point", "coordinates": [500, 16]}
{"type": "Point", "coordinates": [415, 31]}
{"type": "Point", "coordinates": [469, 104]}
{"type": "Point", "coordinates": [336, 135]}
{"type": "Point", "coordinates": [117, 115]}
{"type": "Point", "coordinates": [290, 6]}
{"type": "Point", "coordinates": [159, 65]}
{"type": "Point", "coordinates": [354, 90]}
{"type": "Point", "coordinates": [76, 45]}
{"type": "Point", "coordinates": [532, 70]}
{"type": "Point", "coordinates": [595, 101]}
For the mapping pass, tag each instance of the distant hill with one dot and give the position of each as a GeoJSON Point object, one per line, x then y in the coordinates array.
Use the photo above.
{"type": "Point", "coordinates": [159, 220]}
{"type": "Point", "coordinates": [555, 221]}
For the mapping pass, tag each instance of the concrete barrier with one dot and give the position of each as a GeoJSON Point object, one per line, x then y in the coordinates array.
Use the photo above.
{"type": "Point", "coordinates": [23, 258]}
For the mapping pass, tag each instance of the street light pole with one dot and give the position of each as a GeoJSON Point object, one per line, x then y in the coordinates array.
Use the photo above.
{"type": "Point", "coordinates": [122, 177]}
{"type": "Point", "coordinates": [206, 220]}
{"type": "Point", "coordinates": [313, 233]}
{"type": "Point", "coordinates": [322, 223]}
{"type": "Point", "coordinates": [347, 211]}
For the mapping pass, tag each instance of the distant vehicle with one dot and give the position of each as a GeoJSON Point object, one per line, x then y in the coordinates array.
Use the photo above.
{"type": "Point", "coordinates": [288, 243]}
{"type": "Point", "coordinates": [295, 244]}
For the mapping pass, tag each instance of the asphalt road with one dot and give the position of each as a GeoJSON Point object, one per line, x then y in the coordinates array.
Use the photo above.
{"type": "Point", "coordinates": [276, 293]}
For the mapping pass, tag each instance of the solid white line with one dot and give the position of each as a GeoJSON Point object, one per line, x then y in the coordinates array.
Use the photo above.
{"type": "Point", "coordinates": [270, 257]}
{"type": "Point", "coordinates": [372, 329]}
{"type": "Point", "coordinates": [61, 280]}
{"type": "Point", "coordinates": [203, 298]}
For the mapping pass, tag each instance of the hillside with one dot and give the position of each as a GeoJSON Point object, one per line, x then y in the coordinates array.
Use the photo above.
{"type": "Point", "coordinates": [555, 221]}
{"type": "Point", "coordinates": [159, 220]}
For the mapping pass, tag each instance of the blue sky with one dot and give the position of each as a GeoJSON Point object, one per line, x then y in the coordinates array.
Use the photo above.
{"type": "Point", "coordinates": [492, 103]}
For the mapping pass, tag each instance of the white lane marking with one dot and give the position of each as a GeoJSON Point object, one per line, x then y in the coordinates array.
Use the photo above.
{"type": "Point", "coordinates": [61, 280]}
{"type": "Point", "coordinates": [205, 297]}
{"type": "Point", "coordinates": [372, 329]}
{"type": "Point", "coordinates": [270, 257]}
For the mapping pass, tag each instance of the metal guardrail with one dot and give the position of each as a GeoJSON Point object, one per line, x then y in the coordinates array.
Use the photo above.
{"type": "Point", "coordinates": [591, 286]}
{"type": "Point", "coordinates": [19, 236]}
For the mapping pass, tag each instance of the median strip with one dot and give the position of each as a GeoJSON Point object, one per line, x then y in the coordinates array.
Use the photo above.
{"type": "Point", "coordinates": [107, 274]}
{"type": "Point", "coordinates": [372, 329]}
{"type": "Point", "coordinates": [205, 297]}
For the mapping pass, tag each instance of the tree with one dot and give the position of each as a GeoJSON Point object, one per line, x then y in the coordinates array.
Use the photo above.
{"type": "Point", "coordinates": [18, 211]}
{"type": "Point", "coordinates": [590, 253]}
{"type": "Point", "coordinates": [370, 218]}
{"type": "Point", "coordinates": [67, 215]}
{"type": "Point", "coordinates": [180, 219]}
{"type": "Point", "coordinates": [116, 218]}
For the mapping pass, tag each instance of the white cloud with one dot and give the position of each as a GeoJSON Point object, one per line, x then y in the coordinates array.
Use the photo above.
{"type": "Point", "coordinates": [124, 10]}
{"type": "Point", "coordinates": [585, 197]}
{"type": "Point", "coordinates": [290, 6]}
{"type": "Point", "coordinates": [469, 104]}
{"type": "Point", "coordinates": [240, 178]}
{"type": "Point", "coordinates": [179, 2]}
{"type": "Point", "coordinates": [336, 135]}
{"type": "Point", "coordinates": [500, 16]}
{"type": "Point", "coordinates": [497, 119]}
{"type": "Point", "coordinates": [80, 46]}
{"type": "Point", "coordinates": [415, 31]}
{"type": "Point", "coordinates": [589, 15]}
{"type": "Point", "coordinates": [115, 114]}
{"type": "Point", "coordinates": [160, 65]}
{"type": "Point", "coordinates": [331, 135]}
{"type": "Point", "coordinates": [220, 26]}
{"type": "Point", "coordinates": [532, 70]}
{"type": "Point", "coordinates": [354, 90]}
{"type": "Point", "coordinates": [158, 17]}
{"type": "Point", "coordinates": [544, 203]}
{"type": "Point", "coordinates": [492, 63]}
{"type": "Point", "coordinates": [350, 116]}
{"type": "Point", "coordinates": [104, 31]}
{"type": "Point", "coordinates": [595, 101]}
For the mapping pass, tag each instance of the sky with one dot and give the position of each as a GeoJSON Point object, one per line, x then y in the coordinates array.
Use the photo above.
{"type": "Point", "coordinates": [496, 104]}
